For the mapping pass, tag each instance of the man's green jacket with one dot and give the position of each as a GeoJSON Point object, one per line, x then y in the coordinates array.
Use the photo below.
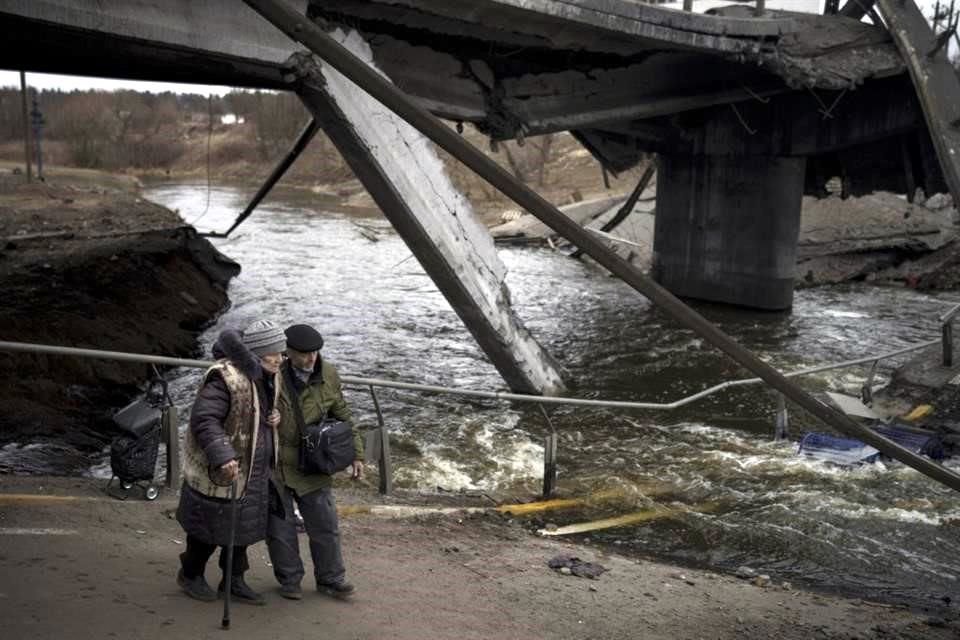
{"type": "Point", "coordinates": [322, 395]}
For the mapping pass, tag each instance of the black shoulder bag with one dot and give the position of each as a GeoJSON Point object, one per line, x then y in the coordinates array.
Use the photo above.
{"type": "Point", "coordinates": [326, 447]}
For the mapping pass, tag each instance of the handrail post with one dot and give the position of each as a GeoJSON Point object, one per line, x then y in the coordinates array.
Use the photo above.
{"type": "Point", "coordinates": [866, 391]}
{"type": "Point", "coordinates": [385, 462]}
{"type": "Point", "coordinates": [946, 330]}
{"type": "Point", "coordinates": [549, 457]}
{"type": "Point", "coordinates": [782, 419]}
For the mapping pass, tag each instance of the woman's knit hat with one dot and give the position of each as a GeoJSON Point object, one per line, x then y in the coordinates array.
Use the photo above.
{"type": "Point", "coordinates": [263, 337]}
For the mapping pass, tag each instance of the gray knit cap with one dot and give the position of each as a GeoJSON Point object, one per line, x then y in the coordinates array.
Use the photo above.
{"type": "Point", "coordinates": [263, 337]}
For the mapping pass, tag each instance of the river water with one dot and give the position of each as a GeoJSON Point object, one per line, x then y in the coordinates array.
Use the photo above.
{"type": "Point", "coordinates": [880, 531]}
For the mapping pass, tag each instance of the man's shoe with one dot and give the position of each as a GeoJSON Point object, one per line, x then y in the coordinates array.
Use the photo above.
{"type": "Point", "coordinates": [197, 588]}
{"type": "Point", "coordinates": [291, 591]}
{"type": "Point", "coordinates": [340, 590]}
{"type": "Point", "coordinates": [241, 592]}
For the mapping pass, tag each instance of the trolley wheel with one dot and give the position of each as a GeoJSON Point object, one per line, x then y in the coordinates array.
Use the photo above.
{"type": "Point", "coordinates": [151, 493]}
{"type": "Point", "coordinates": [126, 486]}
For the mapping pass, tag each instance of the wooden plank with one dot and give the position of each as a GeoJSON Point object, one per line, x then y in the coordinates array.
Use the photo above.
{"type": "Point", "coordinates": [543, 505]}
{"type": "Point", "coordinates": [638, 517]}
{"type": "Point", "coordinates": [558, 504]}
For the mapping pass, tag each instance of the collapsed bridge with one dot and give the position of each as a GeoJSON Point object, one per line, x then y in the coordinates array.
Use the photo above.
{"type": "Point", "coordinates": [747, 110]}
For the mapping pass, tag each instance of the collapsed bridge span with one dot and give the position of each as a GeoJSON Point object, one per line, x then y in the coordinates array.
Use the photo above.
{"type": "Point", "coordinates": [747, 112]}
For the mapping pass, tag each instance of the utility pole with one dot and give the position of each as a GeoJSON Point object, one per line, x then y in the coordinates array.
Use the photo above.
{"type": "Point", "coordinates": [26, 124]}
{"type": "Point", "coordinates": [36, 119]}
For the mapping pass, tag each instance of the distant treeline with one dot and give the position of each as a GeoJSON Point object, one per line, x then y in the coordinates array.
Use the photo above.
{"type": "Point", "coordinates": [183, 133]}
{"type": "Point", "coordinates": [129, 129]}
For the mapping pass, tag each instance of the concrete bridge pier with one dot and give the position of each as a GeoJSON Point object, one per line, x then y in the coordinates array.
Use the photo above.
{"type": "Point", "coordinates": [727, 226]}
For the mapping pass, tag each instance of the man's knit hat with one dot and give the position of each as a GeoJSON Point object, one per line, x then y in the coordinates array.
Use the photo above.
{"type": "Point", "coordinates": [263, 337]}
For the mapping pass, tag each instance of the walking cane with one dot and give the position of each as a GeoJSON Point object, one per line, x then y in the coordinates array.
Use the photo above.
{"type": "Point", "coordinates": [228, 578]}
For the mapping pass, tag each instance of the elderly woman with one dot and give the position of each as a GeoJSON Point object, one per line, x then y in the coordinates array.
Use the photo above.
{"type": "Point", "coordinates": [232, 438]}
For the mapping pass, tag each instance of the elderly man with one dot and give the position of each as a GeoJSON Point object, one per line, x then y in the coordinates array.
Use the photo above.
{"type": "Point", "coordinates": [314, 384]}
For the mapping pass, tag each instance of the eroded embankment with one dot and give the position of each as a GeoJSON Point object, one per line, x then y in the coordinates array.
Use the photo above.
{"type": "Point", "coordinates": [95, 269]}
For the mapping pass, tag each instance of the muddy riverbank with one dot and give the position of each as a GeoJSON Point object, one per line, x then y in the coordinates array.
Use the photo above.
{"type": "Point", "coordinates": [101, 268]}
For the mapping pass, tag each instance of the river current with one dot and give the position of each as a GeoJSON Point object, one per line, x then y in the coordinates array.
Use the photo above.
{"type": "Point", "coordinates": [739, 498]}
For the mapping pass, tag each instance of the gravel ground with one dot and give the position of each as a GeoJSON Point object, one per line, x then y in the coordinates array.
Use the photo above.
{"type": "Point", "coordinates": [83, 565]}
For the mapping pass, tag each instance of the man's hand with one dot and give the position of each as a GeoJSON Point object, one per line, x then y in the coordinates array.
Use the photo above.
{"type": "Point", "coordinates": [356, 469]}
{"type": "Point", "coordinates": [228, 472]}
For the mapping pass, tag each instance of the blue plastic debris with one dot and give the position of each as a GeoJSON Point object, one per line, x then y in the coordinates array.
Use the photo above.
{"type": "Point", "coordinates": [927, 444]}
{"type": "Point", "coordinates": [850, 451]}
{"type": "Point", "coordinates": [836, 449]}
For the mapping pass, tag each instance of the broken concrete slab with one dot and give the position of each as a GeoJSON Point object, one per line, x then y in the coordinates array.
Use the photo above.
{"type": "Point", "coordinates": [405, 176]}
{"type": "Point", "coordinates": [879, 237]}
{"type": "Point", "coordinates": [882, 220]}
{"type": "Point", "coordinates": [527, 227]}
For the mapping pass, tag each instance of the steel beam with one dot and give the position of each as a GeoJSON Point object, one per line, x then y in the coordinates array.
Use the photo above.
{"type": "Point", "coordinates": [285, 163]}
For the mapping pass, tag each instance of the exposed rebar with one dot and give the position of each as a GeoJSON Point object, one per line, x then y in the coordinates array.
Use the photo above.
{"type": "Point", "coordinates": [285, 163]}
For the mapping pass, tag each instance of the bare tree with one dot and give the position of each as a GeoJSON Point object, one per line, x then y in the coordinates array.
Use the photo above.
{"type": "Point", "coordinates": [529, 157]}
{"type": "Point", "coordinates": [544, 146]}
{"type": "Point", "coordinates": [84, 123]}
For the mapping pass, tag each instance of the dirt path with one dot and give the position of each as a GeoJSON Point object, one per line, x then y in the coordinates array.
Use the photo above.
{"type": "Point", "coordinates": [94, 567]}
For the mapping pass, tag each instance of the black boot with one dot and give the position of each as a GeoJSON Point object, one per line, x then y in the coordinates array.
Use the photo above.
{"type": "Point", "coordinates": [197, 588]}
{"type": "Point", "coordinates": [341, 590]}
{"type": "Point", "coordinates": [241, 591]}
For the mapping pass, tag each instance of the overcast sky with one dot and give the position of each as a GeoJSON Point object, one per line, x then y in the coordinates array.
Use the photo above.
{"type": "Point", "coordinates": [69, 83]}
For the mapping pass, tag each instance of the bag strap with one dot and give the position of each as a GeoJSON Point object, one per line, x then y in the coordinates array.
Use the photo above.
{"type": "Point", "coordinates": [287, 370]}
{"type": "Point", "coordinates": [294, 398]}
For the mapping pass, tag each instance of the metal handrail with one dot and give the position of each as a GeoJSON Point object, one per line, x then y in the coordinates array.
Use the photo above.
{"type": "Point", "coordinates": [492, 395]}
{"type": "Point", "coordinates": [383, 440]}
{"type": "Point", "coordinates": [948, 315]}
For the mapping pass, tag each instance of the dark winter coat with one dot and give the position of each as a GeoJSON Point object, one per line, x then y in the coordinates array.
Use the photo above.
{"type": "Point", "coordinates": [220, 431]}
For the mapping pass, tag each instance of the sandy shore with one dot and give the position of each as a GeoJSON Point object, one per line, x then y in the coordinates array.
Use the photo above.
{"type": "Point", "coordinates": [77, 564]}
